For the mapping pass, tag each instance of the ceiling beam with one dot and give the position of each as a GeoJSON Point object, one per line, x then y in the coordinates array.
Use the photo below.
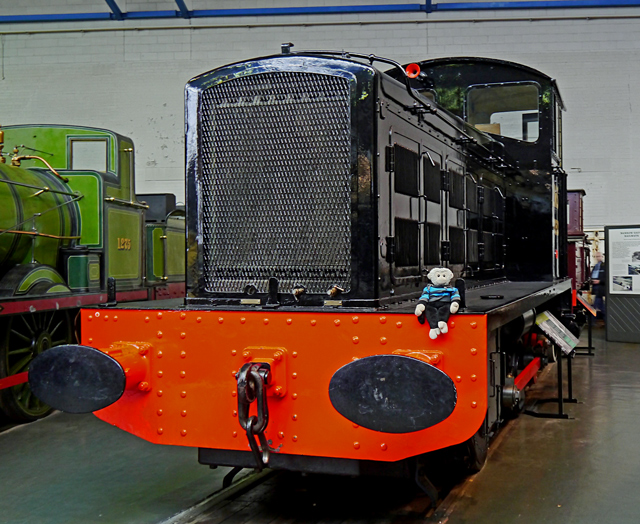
{"type": "Point", "coordinates": [117, 13]}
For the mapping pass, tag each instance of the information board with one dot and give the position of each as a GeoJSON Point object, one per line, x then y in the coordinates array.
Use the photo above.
{"type": "Point", "coordinates": [559, 334]}
{"type": "Point", "coordinates": [622, 299]}
{"type": "Point", "coordinates": [623, 260]}
{"type": "Point", "coordinates": [586, 305]}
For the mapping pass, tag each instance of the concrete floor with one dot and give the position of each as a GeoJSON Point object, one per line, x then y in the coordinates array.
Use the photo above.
{"type": "Point", "coordinates": [585, 470]}
{"type": "Point", "coordinates": [69, 469]}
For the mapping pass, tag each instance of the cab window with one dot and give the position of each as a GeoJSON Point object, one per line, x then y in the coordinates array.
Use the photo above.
{"type": "Point", "coordinates": [89, 155]}
{"type": "Point", "coordinates": [509, 110]}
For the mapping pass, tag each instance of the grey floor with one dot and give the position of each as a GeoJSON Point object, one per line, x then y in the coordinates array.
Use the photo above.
{"type": "Point", "coordinates": [585, 470]}
{"type": "Point", "coordinates": [69, 469]}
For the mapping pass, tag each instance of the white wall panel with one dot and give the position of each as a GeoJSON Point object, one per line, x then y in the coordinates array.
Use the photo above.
{"type": "Point", "coordinates": [132, 80]}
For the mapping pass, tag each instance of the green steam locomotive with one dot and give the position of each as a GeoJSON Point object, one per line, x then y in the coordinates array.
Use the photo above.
{"type": "Point", "coordinates": [73, 233]}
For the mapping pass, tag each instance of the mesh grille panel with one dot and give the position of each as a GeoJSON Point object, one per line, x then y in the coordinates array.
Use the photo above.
{"type": "Point", "coordinates": [275, 188]}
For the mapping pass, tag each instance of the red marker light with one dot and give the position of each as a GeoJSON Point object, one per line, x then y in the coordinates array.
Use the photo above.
{"type": "Point", "coordinates": [413, 70]}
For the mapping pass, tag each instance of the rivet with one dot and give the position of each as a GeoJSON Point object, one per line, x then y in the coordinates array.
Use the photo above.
{"type": "Point", "coordinates": [183, 335]}
{"type": "Point", "coordinates": [474, 325]}
{"type": "Point", "coordinates": [355, 358]}
{"type": "Point", "coordinates": [146, 319]}
{"type": "Point", "coordinates": [336, 322]}
{"type": "Point", "coordinates": [159, 354]}
{"type": "Point", "coordinates": [183, 315]}
{"type": "Point", "coordinates": [234, 373]}
{"type": "Point", "coordinates": [243, 320]}
{"type": "Point", "coordinates": [294, 375]}
{"type": "Point", "coordinates": [474, 378]}
{"type": "Point", "coordinates": [313, 322]}
{"type": "Point", "coordinates": [458, 378]}
{"type": "Point", "coordinates": [90, 318]}
{"type": "Point", "coordinates": [474, 404]}
{"type": "Point", "coordinates": [398, 325]}
{"type": "Point", "coordinates": [266, 321]}
{"type": "Point", "coordinates": [160, 374]}
{"type": "Point", "coordinates": [183, 394]}
{"type": "Point", "coordinates": [281, 434]}
{"type": "Point", "coordinates": [159, 393]}
{"type": "Point", "coordinates": [183, 374]}
{"type": "Point", "coordinates": [355, 426]}
{"type": "Point", "coordinates": [234, 393]}
{"type": "Point", "coordinates": [355, 320]}
{"type": "Point", "coordinates": [383, 447]}
{"type": "Point", "coordinates": [383, 340]}
{"type": "Point", "coordinates": [289, 321]}
{"type": "Point", "coordinates": [159, 334]}
{"type": "Point", "coordinates": [127, 371]}
{"type": "Point", "coordinates": [90, 339]}
{"type": "Point", "coordinates": [183, 413]}
{"type": "Point", "coordinates": [115, 319]}
{"type": "Point", "coordinates": [355, 340]}
{"type": "Point", "coordinates": [383, 320]}
{"type": "Point", "coordinates": [144, 386]}
{"type": "Point", "coordinates": [159, 412]}
{"type": "Point", "coordinates": [235, 413]}
{"type": "Point", "coordinates": [198, 320]}
{"type": "Point", "coordinates": [246, 355]}
{"type": "Point", "coordinates": [233, 352]}
{"type": "Point", "coordinates": [294, 396]}
{"type": "Point", "coordinates": [474, 351]}
{"type": "Point", "coordinates": [294, 354]}
{"type": "Point", "coordinates": [143, 351]}
{"type": "Point", "coordinates": [279, 391]}
{"type": "Point", "coordinates": [106, 317]}
{"type": "Point", "coordinates": [278, 355]}
{"type": "Point", "coordinates": [160, 431]}
{"type": "Point", "coordinates": [295, 438]}
{"type": "Point", "coordinates": [294, 417]}
{"type": "Point", "coordinates": [183, 354]}
{"type": "Point", "coordinates": [220, 320]}
{"type": "Point", "coordinates": [159, 315]}
{"type": "Point", "coordinates": [235, 434]}
{"type": "Point", "coordinates": [356, 445]}
{"type": "Point", "coordinates": [452, 324]}
{"type": "Point", "coordinates": [183, 433]}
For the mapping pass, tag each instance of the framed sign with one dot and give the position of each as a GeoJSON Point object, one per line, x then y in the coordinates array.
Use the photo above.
{"type": "Point", "coordinates": [623, 260]}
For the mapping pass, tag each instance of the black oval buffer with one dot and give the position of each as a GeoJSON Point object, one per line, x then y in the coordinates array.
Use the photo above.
{"type": "Point", "coordinates": [392, 393]}
{"type": "Point", "coordinates": [76, 379]}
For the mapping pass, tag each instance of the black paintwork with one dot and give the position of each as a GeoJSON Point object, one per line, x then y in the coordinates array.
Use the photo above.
{"type": "Point", "coordinates": [392, 393]}
{"type": "Point", "coordinates": [490, 218]}
{"type": "Point", "coordinates": [529, 205]}
{"type": "Point", "coordinates": [76, 379]}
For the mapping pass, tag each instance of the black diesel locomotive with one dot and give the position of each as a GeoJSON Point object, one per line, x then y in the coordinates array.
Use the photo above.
{"type": "Point", "coordinates": [321, 190]}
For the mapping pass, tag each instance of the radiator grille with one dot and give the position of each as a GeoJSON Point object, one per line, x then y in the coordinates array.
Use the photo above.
{"type": "Point", "coordinates": [275, 188]}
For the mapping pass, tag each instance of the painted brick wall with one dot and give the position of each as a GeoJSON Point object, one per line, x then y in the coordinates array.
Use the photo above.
{"type": "Point", "coordinates": [132, 80]}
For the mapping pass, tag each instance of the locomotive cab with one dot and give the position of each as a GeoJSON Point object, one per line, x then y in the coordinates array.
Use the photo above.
{"type": "Point", "coordinates": [522, 109]}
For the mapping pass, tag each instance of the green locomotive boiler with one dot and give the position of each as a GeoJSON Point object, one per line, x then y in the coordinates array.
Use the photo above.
{"type": "Point", "coordinates": [73, 233]}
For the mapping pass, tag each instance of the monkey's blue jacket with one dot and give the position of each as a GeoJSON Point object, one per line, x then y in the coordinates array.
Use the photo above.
{"type": "Point", "coordinates": [433, 293]}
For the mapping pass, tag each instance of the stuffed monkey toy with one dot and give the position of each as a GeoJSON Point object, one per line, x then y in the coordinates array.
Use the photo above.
{"type": "Point", "coordinates": [438, 301]}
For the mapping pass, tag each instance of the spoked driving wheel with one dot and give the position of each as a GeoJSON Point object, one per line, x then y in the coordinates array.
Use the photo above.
{"type": "Point", "coordinates": [22, 338]}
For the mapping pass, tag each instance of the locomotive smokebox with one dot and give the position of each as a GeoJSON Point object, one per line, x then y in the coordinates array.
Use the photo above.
{"type": "Point", "coordinates": [392, 393]}
{"type": "Point", "coordinates": [76, 379]}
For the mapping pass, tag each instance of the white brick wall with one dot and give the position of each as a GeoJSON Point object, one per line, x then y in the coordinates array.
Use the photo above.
{"type": "Point", "coordinates": [132, 81]}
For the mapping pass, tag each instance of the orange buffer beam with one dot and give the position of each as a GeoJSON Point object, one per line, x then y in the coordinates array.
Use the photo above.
{"type": "Point", "coordinates": [190, 395]}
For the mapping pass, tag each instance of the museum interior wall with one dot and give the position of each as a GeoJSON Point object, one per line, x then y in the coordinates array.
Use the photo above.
{"type": "Point", "coordinates": [129, 76]}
